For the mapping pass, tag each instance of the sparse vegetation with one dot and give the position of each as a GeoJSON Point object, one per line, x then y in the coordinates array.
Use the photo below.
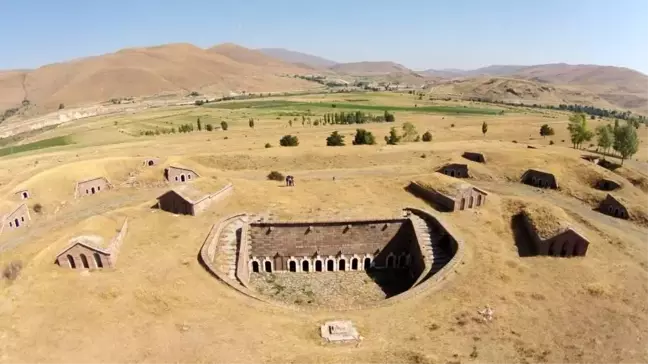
{"type": "Point", "coordinates": [61, 106]}
{"type": "Point", "coordinates": [12, 270]}
{"type": "Point", "coordinates": [268, 145]}
{"type": "Point", "coordinates": [626, 141]}
{"type": "Point", "coordinates": [198, 124]}
{"type": "Point", "coordinates": [545, 130]}
{"type": "Point", "coordinates": [363, 137]}
{"type": "Point", "coordinates": [484, 128]}
{"type": "Point", "coordinates": [289, 141]}
{"type": "Point", "coordinates": [335, 140]}
{"type": "Point", "coordinates": [427, 136]}
{"type": "Point", "coordinates": [38, 208]}
{"type": "Point", "coordinates": [409, 133]}
{"type": "Point", "coordinates": [275, 176]}
{"type": "Point", "coordinates": [251, 123]}
{"type": "Point", "coordinates": [209, 127]}
{"type": "Point", "coordinates": [393, 138]}
{"type": "Point", "coordinates": [578, 130]}
{"type": "Point", "coordinates": [224, 125]}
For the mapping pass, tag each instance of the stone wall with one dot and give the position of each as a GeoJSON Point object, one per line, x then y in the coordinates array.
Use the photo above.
{"type": "Point", "coordinates": [243, 258]}
{"type": "Point", "coordinates": [464, 196]}
{"type": "Point", "coordinates": [18, 218]}
{"type": "Point", "coordinates": [177, 174]}
{"type": "Point", "coordinates": [433, 197]}
{"type": "Point", "coordinates": [81, 257]}
{"type": "Point", "coordinates": [91, 187]}
{"type": "Point", "coordinates": [568, 243]}
{"type": "Point", "coordinates": [203, 204]}
{"type": "Point", "coordinates": [115, 244]}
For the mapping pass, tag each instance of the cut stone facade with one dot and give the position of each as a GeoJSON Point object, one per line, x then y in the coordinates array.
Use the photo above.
{"type": "Point", "coordinates": [188, 201]}
{"type": "Point", "coordinates": [92, 186]}
{"type": "Point", "coordinates": [23, 194]}
{"type": "Point", "coordinates": [607, 185]}
{"type": "Point", "coordinates": [613, 207]}
{"type": "Point", "coordinates": [475, 157]}
{"type": "Point", "coordinates": [87, 252]}
{"type": "Point", "coordinates": [455, 170]}
{"type": "Point", "coordinates": [566, 243]}
{"type": "Point", "coordinates": [179, 174]}
{"type": "Point", "coordinates": [541, 179]}
{"type": "Point", "coordinates": [461, 197]}
{"type": "Point", "coordinates": [18, 218]}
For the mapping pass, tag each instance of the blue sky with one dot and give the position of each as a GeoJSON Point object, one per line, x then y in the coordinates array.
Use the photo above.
{"type": "Point", "coordinates": [419, 34]}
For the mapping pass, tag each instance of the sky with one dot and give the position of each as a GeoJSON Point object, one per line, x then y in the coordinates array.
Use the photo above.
{"type": "Point", "coordinates": [419, 34]}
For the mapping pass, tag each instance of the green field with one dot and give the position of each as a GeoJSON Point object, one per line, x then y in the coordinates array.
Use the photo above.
{"type": "Point", "coordinates": [41, 144]}
{"type": "Point", "coordinates": [271, 104]}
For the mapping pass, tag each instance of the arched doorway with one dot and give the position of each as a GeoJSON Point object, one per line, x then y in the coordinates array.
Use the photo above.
{"type": "Point", "coordinates": [470, 204]}
{"type": "Point", "coordinates": [16, 222]}
{"type": "Point", "coordinates": [318, 265]}
{"type": "Point", "coordinates": [98, 261]}
{"type": "Point", "coordinates": [354, 263]}
{"type": "Point", "coordinates": [367, 263]}
{"type": "Point", "coordinates": [479, 200]}
{"type": "Point", "coordinates": [390, 261]}
{"type": "Point", "coordinates": [342, 264]}
{"type": "Point", "coordinates": [255, 266]}
{"type": "Point", "coordinates": [305, 266]}
{"type": "Point", "coordinates": [150, 163]}
{"type": "Point", "coordinates": [452, 173]}
{"type": "Point", "coordinates": [268, 266]}
{"type": "Point", "coordinates": [292, 266]}
{"type": "Point", "coordinates": [71, 261]}
{"type": "Point", "coordinates": [92, 190]}
{"type": "Point", "coordinates": [330, 265]}
{"type": "Point", "coordinates": [84, 261]}
{"type": "Point", "coordinates": [463, 203]}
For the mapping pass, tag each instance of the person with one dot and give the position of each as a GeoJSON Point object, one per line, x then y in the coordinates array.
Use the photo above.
{"type": "Point", "coordinates": [287, 180]}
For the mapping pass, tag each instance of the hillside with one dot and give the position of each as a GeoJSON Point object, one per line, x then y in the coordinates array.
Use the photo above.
{"type": "Point", "coordinates": [178, 68]}
{"type": "Point", "coordinates": [298, 57]}
{"type": "Point", "coordinates": [370, 68]}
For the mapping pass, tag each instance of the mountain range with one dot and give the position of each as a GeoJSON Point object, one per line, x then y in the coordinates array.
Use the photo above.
{"type": "Point", "coordinates": [181, 68]}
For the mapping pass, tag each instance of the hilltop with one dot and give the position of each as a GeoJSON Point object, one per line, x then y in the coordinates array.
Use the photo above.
{"type": "Point", "coordinates": [298, 57]}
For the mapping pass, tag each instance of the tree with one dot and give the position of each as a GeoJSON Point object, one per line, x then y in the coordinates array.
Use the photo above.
{"type": "Point", "coordinates": [363, 137]}
{"type": "Point", "coordinates": [335, 140]}
{"type": "Point", "coordinates": [409, 132]}
{"type": "Point", "coordinates": [251, 123]}
{"type": "Point", "coordinates": [484, 128]}
{"type": "Point", "coordinates": [578, 129]}
{"type": "Point", "coordinates": [604, 137]}
{"type": "Point", "coordinates": [427, 136]}
{"type": "Point", "coordinates": [545, 130]}
{"type": "Point", "coordinates": [626, 141]}
{"type": "Point", "coordinates": [199, 124]}
{"type": "Point", "coordinates": [289, 141]}
{"type": "Point", "coordinates": [209, 127]}
{"type": "Point", "coordinates": [224, 125]}
{"type": "Point", "coordinates": [290, 122]}
{"type": "Point", "coordinates": [393, 138]}
{"type": "Point", "coordinates": [61, 106]}
{"type": "Point", "coordinates": [389, 117]}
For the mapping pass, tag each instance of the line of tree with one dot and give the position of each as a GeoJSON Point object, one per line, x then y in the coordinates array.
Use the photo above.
{"type": "Point", "coordinates": [623, 139]}
{"type": "Point", "coordinates": [357, 117]}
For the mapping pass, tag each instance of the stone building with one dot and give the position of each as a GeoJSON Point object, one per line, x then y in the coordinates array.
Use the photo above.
{"type": "Point", "coordinates": [606, 184]}
{"type": "Point", "coordinates": [17, 218]}
{"type": "Point", "coordinates": [449, 195]}
{"type": "Point", "coordinates": [475, 157]}
{"type": "Point", "coordinates": [334, 246]}
{"type": "Point", "coordinates": [553, 234]}
{"type": "Point", "coordinates": [23, 194]}
{"type": "Point", "coordinates": [90, 251]}
{"type": "Point", "coordinates": [179, 174]}
{"type": "Point", "coordinates": [455, 170]}
{"type": "Point", "coordinates": [189, 200]}
{"type": "Point", "coordinates": [614, 207]}
{"type": "Point", "coordinates": [91, 187]}
{"type": "Point", "coordinates": [150, 162]}
{"type": "Point", "coordinates": [541, 179]}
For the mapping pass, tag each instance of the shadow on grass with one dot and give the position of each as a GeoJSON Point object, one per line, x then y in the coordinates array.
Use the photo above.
{"type": "Point", "coordinates": [523, 240]}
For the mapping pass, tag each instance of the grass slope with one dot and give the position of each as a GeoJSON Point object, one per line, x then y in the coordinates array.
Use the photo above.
{"type": "Point", "coordinates": [41, 144]}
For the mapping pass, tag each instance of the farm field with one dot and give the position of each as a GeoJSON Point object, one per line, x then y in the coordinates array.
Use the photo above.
{"type": "Point", "coordinates": [159, 304]}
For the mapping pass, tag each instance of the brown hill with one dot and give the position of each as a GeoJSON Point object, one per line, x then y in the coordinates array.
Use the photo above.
{"type": "Point", "coordinates": [148, 71]}
{"type": "Point", "coordinates": [370, 68]}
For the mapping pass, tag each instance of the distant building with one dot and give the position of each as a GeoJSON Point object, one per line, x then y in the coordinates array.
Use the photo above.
{"type": "Point", "coordinates": [179, 174]}
{"type": "Point", "coordinates": [475, 157]}
{"type": "Point", "coordinates": [605, 184]}
{"type": "Point", "coordinates": [90, 252]}
{"type": "Point", "coordinates": [614, 207]}
{"type": "Point", "coordinates": [455, 170]}
{"type": "Point", "coordinates": [150, 162]}
{"type": "Point", "coordinates": [22, 194]}
{"type": "Point", "coordinates": [187, 200]}
{"type": "Point", "coordinates": [17, 218]}
{"type": "Point", "coordinates": [448, 194]}
{"type": "Point", "coordinates": [556, 237]}
{"type": "Point", "coordinates": [541, 179]}
{"type": "Point", "coordinates": [91, 186]}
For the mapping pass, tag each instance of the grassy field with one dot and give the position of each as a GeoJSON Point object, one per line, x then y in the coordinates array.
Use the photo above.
{"type": "Point", "coordinates": [160, 305]}
{"type": "Point", "coordinates": [41, 144]}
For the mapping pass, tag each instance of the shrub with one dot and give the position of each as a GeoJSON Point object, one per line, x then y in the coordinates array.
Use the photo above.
{"type": "Point", "coordinates": [37, 208]}
{"type": "Point", "coordinates": [224, 125]}
{"type": "Point", "coordinates": [551, 142]}
{"type": "Point", "coordinates": [209, 127]}
{"type": "Point", "coordinates": [389, 117]}
{"type": "Point", "coordinates": [194, 94]}
{"type": "Point", "coordinates": [289, 141]}
{"type": "Point", "coordinates": [363, 137]}
{"type": "Point", "coordinates": [12, 270]}
{"type": "Point", "coordinates": [427, 136]}
{"type": "Point", "coordinates": [515, 141]}
{"type": "Point", "coordinates": [251, 123]}
{"type": "Point", "coordinates": [275, 176]}
{"type": "Point", "coordinates": [452, 125]}
{"type": "Point", "coordinates": [268, 145]}
{"type": "Point", "coordinates": [393, 138]}
{"type": "Point", "coordinates": [335, 140]}
{"type": "Point", "coordinates": [199, 102]}
{"type": "Point", "coordinates": [61, 106]}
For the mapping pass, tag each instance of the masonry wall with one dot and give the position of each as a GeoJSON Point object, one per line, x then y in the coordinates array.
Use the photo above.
{"type": "Point", "coordinates": [213, 198]}
{"type": "Point", "coordinates": [432, 196]}
{"type": "Point", "coordinates": [456, 170]}
{"type": "Point", "coordinates": [95, 259]}
{"type": "Point", "coordinates": [92, 187]}
{"type": "Point", "coordinates": [178, 174]}
{"type": "Point", "coordinates": [475, 157]}
{"type": "Point", "coordinates": [610, 207]}
{"type": "Point", "coordinates": [175, 204]}
{"type": "Point", "coordinates": [540, 179]}
{"type": "Point", "coordinates": [377, 237]}
{"type": "Point", "coordinates": [18, 218]}
{"type": "Point", "coordinates": [463, 199]}
{"type": "Point", "coordinates": [117, 241]}
{"type": "Point", "coordinates": [565, 244]}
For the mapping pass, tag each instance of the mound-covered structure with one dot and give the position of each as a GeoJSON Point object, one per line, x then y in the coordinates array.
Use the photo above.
{"type": "Point", "coordinates": [458, 170]}
{"type": "Point", "coordinates": [191, 199]}
{"type": "Point", "coordinates": [534, 177]}
{"type": "Point", "coordinates": [92, 251]}
{"type": "Point", "coordinates": [552, 232]}
{"type": "Point", "coordinates": [91, 186]}
{"type": "Point", "coordinates": [180, 174]}
{"type": "Point", "coordinates": [614, 206]}
{"type": "Point", "coordinates": [448, 194]}
{"type": "Point", "coordinates": [475, 157]}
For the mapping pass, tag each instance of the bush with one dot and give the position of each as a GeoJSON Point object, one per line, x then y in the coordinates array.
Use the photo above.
{"type": "Point", "coordinates": [335, 140]}
{"type": "Point", "coordinates": [37, 208]}
{"type": "Point", "coordinates": [393, 138]}
{"type": "Point", "coordinates": [275, 176]}
{"type": "Point", "coordinates": [209, 127]}
{"type": "Point", "coordinates": [199, 102]}
{"type": "Point", "coordinates": [194, 94]}
{"type": "Point", "coordinates": [551, 142]}
{"type": "Point", "coordinates": [289, 141]}
{"type": "Point", "coordinates": [363, 137]}
{"type": "Point", "coordinates": [224, 125]}
{"type": "Point", "coordinates": [251, 123]}
{"type": "Point", "coordinates": [427, 136]}
{"type": "Point", "coordinates": [452, 125]}
{"type": "Point", "coordinates": [12, 270]}
{"type": "Point", "coordinates": [61, 106]}
{"type": "Point", "coordinates": [268, 145]}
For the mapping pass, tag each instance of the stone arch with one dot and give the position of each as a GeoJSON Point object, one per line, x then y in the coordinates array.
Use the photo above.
{"type": "Point", "coordinates": [97, 259]}
{"type": "Point", "coordinates": [355, 263]}
{"type": "Point", "coordinates": [268, 265]}
{"type": "Point", "coordinates": [342, 263]}
{"type": "Point", "coordinates": [255, 266]}
{"type": "Point", "coordinates": [330, 264]}
{"type": "Point", "coordinates": [479, 200]}
{"type": "Point", "coordinates": [292, 265]}
{"type": "Point", "coordinates": [84, 260]}
{"type": "Point", "coordinates": [305, 265]}
{"type": "Point", "coordinates": [150, 162]}
{"type": "Point", "coordinates": [390, 262]}
{"type": "Point", "coordinates": [471, 201]}
{"type": "Point", "coordinates": [318, 264]}
{"type": "Point", "coordinates": [182, 177]}
{"type": "Point", "coordinates": [367, 262]}
{"type": "Point", "coordinates": [568, 248]}
{"type": "Point", "coordinates": [71, 261]}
